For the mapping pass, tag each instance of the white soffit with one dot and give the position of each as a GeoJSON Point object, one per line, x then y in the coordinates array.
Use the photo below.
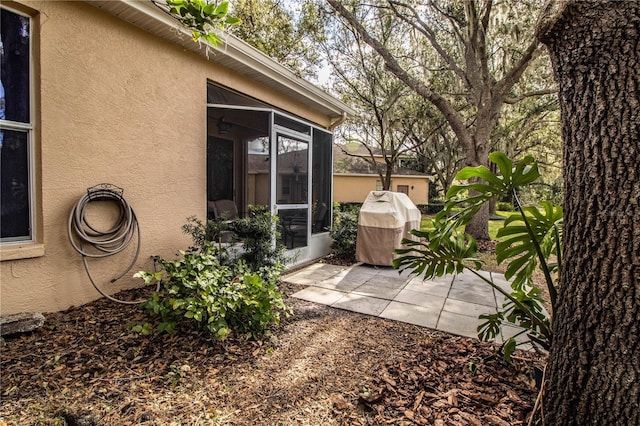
{"type": "Point", "coordinates": [232, 53]}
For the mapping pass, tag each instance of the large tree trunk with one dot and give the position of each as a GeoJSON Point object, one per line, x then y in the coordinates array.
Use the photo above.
{"type": "Point", "coordinates": [593, 375]}
{"type": "Point", "coordinates": [478, 226]}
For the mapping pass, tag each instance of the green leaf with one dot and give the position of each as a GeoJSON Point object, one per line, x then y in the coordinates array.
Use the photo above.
{"type": "Point", "coordinates": [209, 8]}
{"type": "Point", "coordinates": [491, 328]}
{"type": "Point", "coordinates": [504, 163]}
{"type": "Point", "coordinates": [508, 348]}
{"type": "Point", "coordinates": [480, 172]}
{"type": "Point", "coordinates": [232, 21]}
{"type": "Point", "coordinates": [222, 9]}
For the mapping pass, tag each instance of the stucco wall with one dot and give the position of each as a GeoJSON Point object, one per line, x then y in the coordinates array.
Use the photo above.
{"type": "Point", "coordinates": [355, 188]}
{"type": "Point", "coordinates": [121, 106]}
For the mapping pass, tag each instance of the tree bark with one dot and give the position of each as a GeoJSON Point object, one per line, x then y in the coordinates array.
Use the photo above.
{"type": "Point", "coordinates": [594, 365]}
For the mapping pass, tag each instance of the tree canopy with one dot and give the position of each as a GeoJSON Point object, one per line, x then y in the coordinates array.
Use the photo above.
{"type": "Point", "coordinates": [465, 58]}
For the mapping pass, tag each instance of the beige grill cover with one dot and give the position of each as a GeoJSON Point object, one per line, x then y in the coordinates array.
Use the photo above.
{"type": "Point", "coordinates": [385, 219]}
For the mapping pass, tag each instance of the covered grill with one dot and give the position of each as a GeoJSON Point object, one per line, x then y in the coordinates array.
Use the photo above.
{"type": "Point", "coordinates": [385, 219]}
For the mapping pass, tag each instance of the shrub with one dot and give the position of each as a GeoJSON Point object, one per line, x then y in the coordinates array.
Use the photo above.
{"type": "Point", "coordinates": [257, 234]}
{"type": "Point", "coordinates": [254, 233]}
{"type": "Point", "coordinates": [221, 288]}
{"type": "Point", "coordinates": [504, 206]}
{"type": "Point", "coordinates": [344, 233]}
{"type": "Point", "coordinates": [219, 298]}
{"type": "Point", "coordinates": [347, 207]}
{"type": "Point", "coordinates": [431, 208]}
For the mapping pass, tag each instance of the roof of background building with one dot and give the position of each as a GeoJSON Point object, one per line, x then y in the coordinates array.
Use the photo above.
{"type": "Point", "coordinates": [353, 162]}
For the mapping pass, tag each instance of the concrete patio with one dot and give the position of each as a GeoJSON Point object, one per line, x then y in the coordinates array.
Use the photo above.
{"type": "Point", "coordinates": [451, 303]}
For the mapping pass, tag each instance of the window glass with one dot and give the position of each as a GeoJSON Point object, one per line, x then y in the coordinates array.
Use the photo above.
{"type": "Point", "coordinates": [293, 228]}
{"type": "Point", "coordinates": [292, 124]}
{"type": "Point", "coordinates": [238, 160]}
{"type": "Point", "coordinates": [321, 181]}
{"type": "Point", "coordinates": [258, 171]}
{"type": "Point", "coordinates": [219, 171]}
{"type": "Point", "coordinates": [292, 167]}
{"type": "Point", "coordinates": [15, 139]}
{"type": "Point", "coordinates": [14, 179]}
{"type": "Point", "coordinates": [15, 60]}
{"type": "Point", "coordinates": [224, 96]}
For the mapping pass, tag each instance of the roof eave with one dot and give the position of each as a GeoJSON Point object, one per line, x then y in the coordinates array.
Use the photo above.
{"type": "Point", "coordinates": [233, 53]}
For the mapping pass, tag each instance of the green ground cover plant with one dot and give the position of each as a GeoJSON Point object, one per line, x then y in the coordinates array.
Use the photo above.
{"type": "Point", "coordinates": [222, 288]}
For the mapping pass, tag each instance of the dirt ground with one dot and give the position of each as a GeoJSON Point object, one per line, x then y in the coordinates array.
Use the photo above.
{"type": "Point", "coordinates": [320, 366]}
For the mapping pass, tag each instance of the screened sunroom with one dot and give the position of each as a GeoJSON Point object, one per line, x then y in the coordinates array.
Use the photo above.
{"type": "Point", "coordinates": [260, 156]}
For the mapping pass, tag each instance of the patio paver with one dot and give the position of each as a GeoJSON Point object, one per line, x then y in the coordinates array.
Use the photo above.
{"type": "Point", "coordinates": [451, 303]}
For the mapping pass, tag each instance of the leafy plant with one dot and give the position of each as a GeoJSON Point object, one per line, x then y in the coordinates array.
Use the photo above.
{"type": "Point", "coordinates": [530, 238]}
{"type": "Point", "coordinates": [254, 234]}
{"type": "Point", "coordinates": [344, 232]}
{"type": "Point", "coordinates": [204, 18]}
{"type": "Point", "coordinates": [504, 206]}
{"type": "Point", "coordinates": [260, 246]}
{"type": "Point", "coordinates": [219, 298]}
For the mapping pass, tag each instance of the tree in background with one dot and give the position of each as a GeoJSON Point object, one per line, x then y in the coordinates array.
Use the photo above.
{"type": "Point", "coordinates": [531, 126]}
{"type": "Point", "coordinates": [437, 151]}
{"type": "Point", "coordinates": [383, 103]}
{"type": "Point", "coordinates": [482, 50]}
{"type": "Point", "coordinates": [593, 374]}
{"type": "Point", "coordinates": [280, 29]}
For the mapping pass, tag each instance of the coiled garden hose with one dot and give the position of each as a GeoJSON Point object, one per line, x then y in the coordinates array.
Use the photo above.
{"type": "Point", "coordinates": [93, 243]}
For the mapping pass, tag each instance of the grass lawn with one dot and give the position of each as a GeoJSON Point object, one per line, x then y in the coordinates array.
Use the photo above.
{"type": "Point", "coordinates": [426, 223]}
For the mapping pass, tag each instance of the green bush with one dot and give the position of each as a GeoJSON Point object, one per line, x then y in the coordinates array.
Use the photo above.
{"type": "Point", "coordinates": [505, 206]}
{"type": "Point", "coordinates": [431, 208]}
{"type": "Point", "coordinates": [347, 207]}
{"type": "Point", "coordinates": [260, 246]}
{"type": "Point", "coordinates": [344, 233]}
{"type": "Point", "coordinates": [219, 298]}
{"type": "Point", "coordinates": [254, 234]}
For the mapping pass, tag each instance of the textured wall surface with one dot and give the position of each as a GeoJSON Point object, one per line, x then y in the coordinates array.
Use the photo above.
{"type": "Point", "coordinates": [356, 188]}
{"type": "Point", "coordinates": [121, 106]}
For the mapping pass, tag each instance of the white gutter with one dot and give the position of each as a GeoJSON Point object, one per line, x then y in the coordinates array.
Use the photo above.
{"type": "Point", "coordinates": [338, 122]}
{"type": "Point", "coordinates": [427, 177]}
{"type": "Point", "coordinates": [232, 53]}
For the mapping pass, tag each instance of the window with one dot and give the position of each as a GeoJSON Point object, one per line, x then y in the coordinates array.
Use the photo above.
{"type": "Point", "coordinates": [322, 181]}
{"type": "Point", "coordinates": [404, 189]}
{"type": "Point", "coordinates": [292, 166]}
{"type": "Point", "coordinates": [16, 128]}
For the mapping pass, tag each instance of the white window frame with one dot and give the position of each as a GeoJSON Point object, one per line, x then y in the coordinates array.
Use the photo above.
{"type": "Point", "coordinates": [29, 129]}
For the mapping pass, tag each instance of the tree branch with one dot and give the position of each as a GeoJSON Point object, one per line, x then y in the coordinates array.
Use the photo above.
{"type": "Point", "coordinates": [451, 115]}
{"type": "Point", "coordinates": [505, 84]}
{"type": "Point", "coordinates": [517, 99]}
{"type": "Point", "coordinates": [426, 30]}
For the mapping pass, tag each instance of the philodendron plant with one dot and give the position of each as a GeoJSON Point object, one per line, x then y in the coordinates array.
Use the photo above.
{"type": "Point", "coordinates": [529, 240]}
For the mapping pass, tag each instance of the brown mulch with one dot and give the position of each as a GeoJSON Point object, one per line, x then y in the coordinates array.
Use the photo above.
{"type": "Point", "coordinates": [321, 366]}
{"type": "Point", "coordinates": [487, 246]}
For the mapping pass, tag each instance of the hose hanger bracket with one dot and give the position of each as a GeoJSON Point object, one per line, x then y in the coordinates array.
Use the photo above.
{"type": "Point", "coordinates": [105, 192]}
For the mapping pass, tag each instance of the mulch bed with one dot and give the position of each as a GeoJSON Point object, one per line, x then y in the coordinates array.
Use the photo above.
{"type": "Point", "coordinates": [321, 366]}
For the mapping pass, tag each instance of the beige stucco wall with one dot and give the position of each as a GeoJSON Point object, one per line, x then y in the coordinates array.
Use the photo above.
{"type": "Point", "coordinates": [121, 106]}
{"type": "Point", "coordinates": [355, 188]}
